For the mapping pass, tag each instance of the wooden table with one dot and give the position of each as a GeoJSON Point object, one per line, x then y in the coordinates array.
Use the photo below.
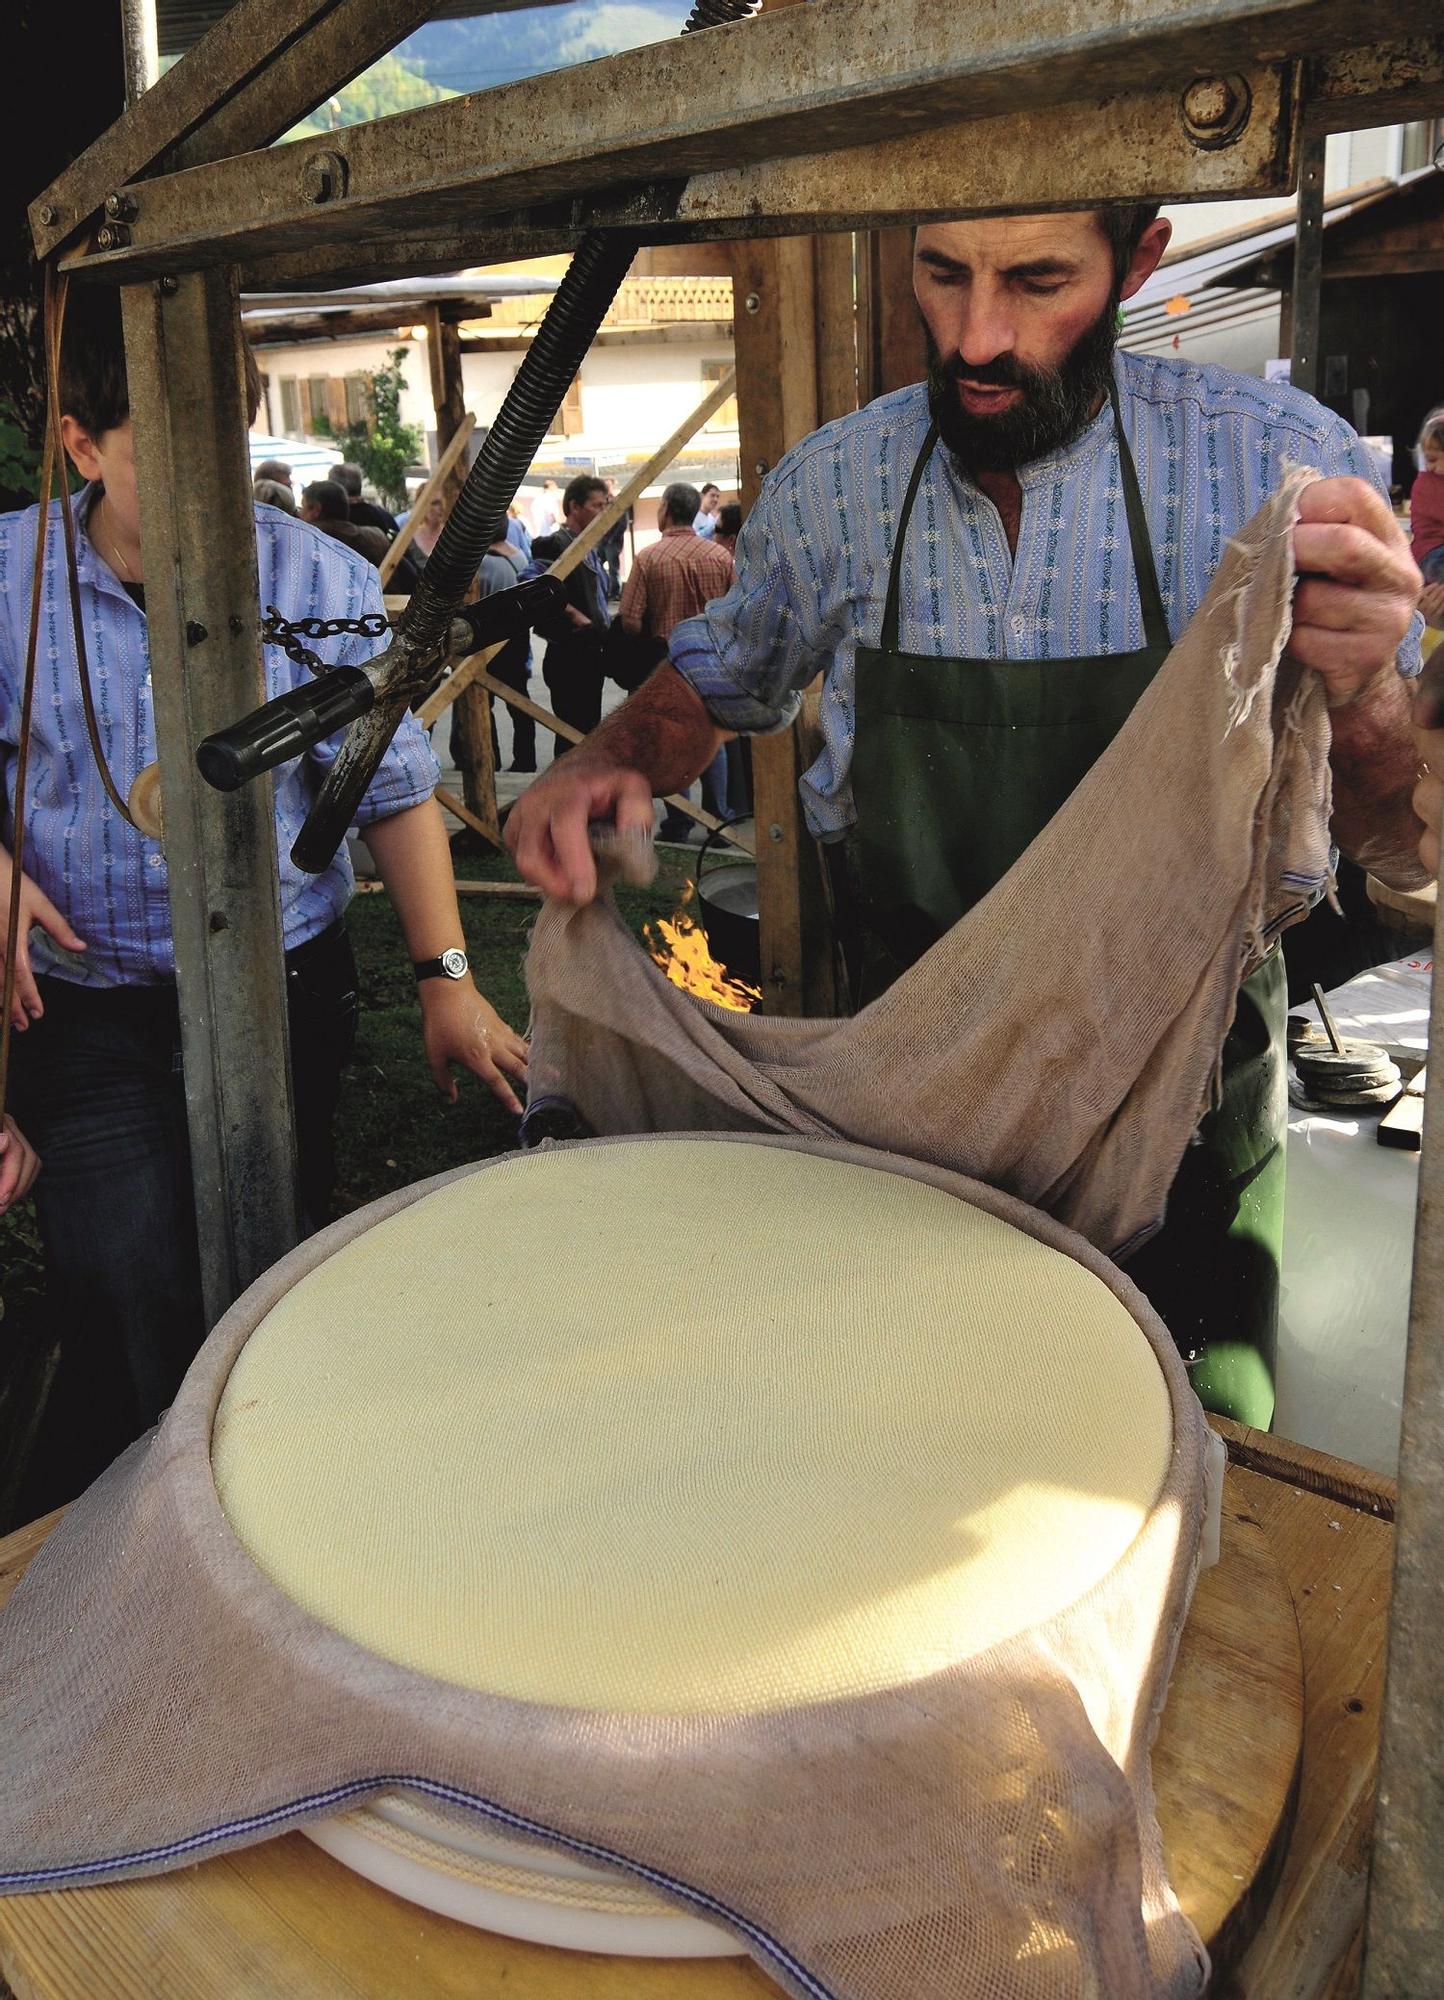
{"type": "Point", "coordinates": [282, 1920]}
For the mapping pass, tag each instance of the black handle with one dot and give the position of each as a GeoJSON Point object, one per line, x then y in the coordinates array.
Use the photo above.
{"type": "Point", "coordinates": [285, 727]}
{"type": "Point", "coordinates": [508, 611]}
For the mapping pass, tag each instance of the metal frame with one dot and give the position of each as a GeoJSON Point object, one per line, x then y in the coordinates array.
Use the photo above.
{"type": "Point", "coordinates": [829, 116]}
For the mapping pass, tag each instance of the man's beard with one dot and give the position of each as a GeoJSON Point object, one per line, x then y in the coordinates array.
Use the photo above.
{"type": "Point", "coordinates": [1055, 405]}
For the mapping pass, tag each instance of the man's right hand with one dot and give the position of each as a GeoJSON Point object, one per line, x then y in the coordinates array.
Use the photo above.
{"type": "Point", "coordinates": [546, 829]}
{"type": "Point", "coordinates": [35, 908]}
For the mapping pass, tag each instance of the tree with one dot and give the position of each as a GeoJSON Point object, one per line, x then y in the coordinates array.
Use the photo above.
{"type": "Point", "coordinates": [385, 448]}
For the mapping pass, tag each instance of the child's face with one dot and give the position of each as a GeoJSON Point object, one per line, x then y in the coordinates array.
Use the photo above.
{"type": "Point", "coordinates": [1434, 455]}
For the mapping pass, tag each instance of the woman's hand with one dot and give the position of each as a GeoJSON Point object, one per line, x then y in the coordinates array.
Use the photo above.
{"type": "Point", "coordinates": [459, 1025]}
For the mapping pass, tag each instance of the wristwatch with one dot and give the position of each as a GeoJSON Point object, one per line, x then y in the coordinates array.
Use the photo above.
{"type": "Point", "coordinates": [452, 964]}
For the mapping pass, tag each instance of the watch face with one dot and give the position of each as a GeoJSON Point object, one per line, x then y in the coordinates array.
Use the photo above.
{"type": "Point", "coordinates": [453, 963]}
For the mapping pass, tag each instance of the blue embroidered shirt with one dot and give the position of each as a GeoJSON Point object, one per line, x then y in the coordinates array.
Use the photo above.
{"type": "Point", "coordinates": [110, 881]}
{"type": "Point", "coordinates": [812, 560]}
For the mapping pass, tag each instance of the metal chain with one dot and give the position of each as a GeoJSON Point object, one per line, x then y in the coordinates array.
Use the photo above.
{"type": "Point", "coordinates": [288, 633]}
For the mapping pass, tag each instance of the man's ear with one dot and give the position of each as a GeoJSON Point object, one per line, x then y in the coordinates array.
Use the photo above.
{"type": "Point", "coordinates": [80, 446]}
{"type": "Point", "coordinates": [1144, 262]}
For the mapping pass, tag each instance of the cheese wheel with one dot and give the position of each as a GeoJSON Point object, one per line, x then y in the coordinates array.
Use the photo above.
{"type": "Point", "coordinates": [689, 1427]}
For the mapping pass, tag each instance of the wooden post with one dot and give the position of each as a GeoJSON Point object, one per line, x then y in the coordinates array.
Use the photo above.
{"type": "Point", "coordinates": [775, 308]}
{"type": "Point", "coordinates": [188, 401]}
{"type": "Point", "coordinates": [891, 349]}
{"type": "Point", "coordinates": [471, 715]}
{"type": "Point", "coordinates": [1404, 1938]}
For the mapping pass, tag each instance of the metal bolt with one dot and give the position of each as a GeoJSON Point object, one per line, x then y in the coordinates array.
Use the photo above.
{"type": "Point", "coordinates": [324, 177]}
{"type": "Point", "coordinates": [49, 214]}
{"type": "Point", "coordinates": [195, 632]}
{"type": "Point", "coordinates": [169, 286]}
{"type": "Point", "coordinates": [752, 302]}
{"type": "Point", "coordinates": [1215, 110]}
{"type": "Point", "coordinates": [774, 833]}
{"type": "Point", "coordinates": [112, 236]}
{"type": "Point", "coordinates": [761, 468]}
{"type": "Point", "coordinates": [121, 207]}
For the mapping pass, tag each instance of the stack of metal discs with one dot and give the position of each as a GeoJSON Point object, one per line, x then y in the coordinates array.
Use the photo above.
{"type": "Point", "coordinates": [1352, 1076]}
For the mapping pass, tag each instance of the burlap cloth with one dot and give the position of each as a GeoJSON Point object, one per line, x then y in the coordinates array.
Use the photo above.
{"type": "Point", "coordinates": [985, 1834]}
{"type": "Point", "coordinates": [1062, 1041]}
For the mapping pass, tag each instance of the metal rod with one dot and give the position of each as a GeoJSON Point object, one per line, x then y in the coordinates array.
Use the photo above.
{"type": "Point", "coordinates": [142, 47]}
{"type": "Point", "coordinates": [1308, 266]}
{"type": "Point", "coordinates": [1327, 1018]}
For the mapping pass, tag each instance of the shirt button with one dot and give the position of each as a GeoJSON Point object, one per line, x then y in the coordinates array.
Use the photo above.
{"type": "Point", "coordinates": [155, 861]}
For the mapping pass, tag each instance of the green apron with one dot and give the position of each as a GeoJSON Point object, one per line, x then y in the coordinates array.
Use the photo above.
{"type": "Point", "coordinates": [957, 766]}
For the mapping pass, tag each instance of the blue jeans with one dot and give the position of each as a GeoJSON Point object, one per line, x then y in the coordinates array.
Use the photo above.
{"type": "Point", "coordinates": [98, 1089]}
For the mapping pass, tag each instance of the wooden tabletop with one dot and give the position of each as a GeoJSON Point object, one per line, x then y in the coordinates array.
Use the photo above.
{"type": "Point", "coordinates": [283, 1919]}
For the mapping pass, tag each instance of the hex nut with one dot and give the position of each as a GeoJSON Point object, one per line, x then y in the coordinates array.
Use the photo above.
{"type": "Point", "coordinates": [112, 236]}
{"type": "Point", "coordinates": [121, 207]}
{"type": "Point", "coordinates": [1215, 110]}
{"type": "Point", "coordinates": [49, 214]}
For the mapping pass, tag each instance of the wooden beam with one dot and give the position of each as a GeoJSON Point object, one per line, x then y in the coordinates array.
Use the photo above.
{"type": "Point", "coordinates": [259, 70]}
{"type": "Point", "coordinates": [1405, 1935]}
{"type": "Point", "coordinates": [188, 403]}
{"type": "Point", "coordinates": [1115, 147]}
{"type": "Point", "coordinates": [754, 91]}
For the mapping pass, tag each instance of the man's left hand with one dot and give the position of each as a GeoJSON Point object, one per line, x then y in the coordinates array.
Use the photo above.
{"type": "Point", "coordinates": [1357, 588]}
{"type": "Point", "coordinates": [459, 1026]}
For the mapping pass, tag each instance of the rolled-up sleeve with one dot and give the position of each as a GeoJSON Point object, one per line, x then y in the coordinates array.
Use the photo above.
{"type": "Point", "coordinates": [750, 654]}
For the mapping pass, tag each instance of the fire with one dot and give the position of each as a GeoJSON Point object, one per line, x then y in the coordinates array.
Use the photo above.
{"type": "Point", "coordinates": [679, 945]}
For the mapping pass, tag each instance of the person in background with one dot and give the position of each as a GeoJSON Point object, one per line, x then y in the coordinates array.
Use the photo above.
{"type": "Point", "coordinates": [428, 531]}
{"type": "Point", "coordinates": [610, 547]}
{"type": "Point", "coordinates": [96, 1069]}
{"type": "Point", "coordinates": [708, 509]}
{"type": "Point", "coordinates": [675, 579]}
{"type": "Point", "coordinates": [277, 469]}
{"type": "Point", "coordinates": [324, 505]}
{"type": "Point", "coordinates": [574, 665]}
{"type": "Point", "coordinates": [1427, 519]}
{"type": "Point", "coordinates": [517, 532]}
{"type": "Point", "coordinates": [271, 493]}
{"type": "Point", "coordinates": [729, 527]}
{"type": "Point", "coordinates": [501, 569]}
{"type": "Point", "coordinates": [365, 513]}
{"type": "Point", "coordinates": [546, 510]}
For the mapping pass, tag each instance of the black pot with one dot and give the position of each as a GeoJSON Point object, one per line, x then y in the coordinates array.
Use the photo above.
{"type": "Point", "coordinates": [727, 907]}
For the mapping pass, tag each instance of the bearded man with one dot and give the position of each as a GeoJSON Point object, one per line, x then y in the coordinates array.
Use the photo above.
{"type": "Point", "coordinates": [987, 570]}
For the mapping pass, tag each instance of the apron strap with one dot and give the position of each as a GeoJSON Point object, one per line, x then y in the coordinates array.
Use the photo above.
{"type": "Point", "coordinates": [894, 580]}
{"type": "Point", "coordinates": [1150, 597]}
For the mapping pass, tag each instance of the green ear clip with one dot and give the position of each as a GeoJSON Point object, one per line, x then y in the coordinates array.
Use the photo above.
{"type": "Point", "coordinates": [1119, 320]}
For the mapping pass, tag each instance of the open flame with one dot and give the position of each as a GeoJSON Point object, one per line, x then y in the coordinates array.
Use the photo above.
{"type": "Point", "coordinates": [679, 945]}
